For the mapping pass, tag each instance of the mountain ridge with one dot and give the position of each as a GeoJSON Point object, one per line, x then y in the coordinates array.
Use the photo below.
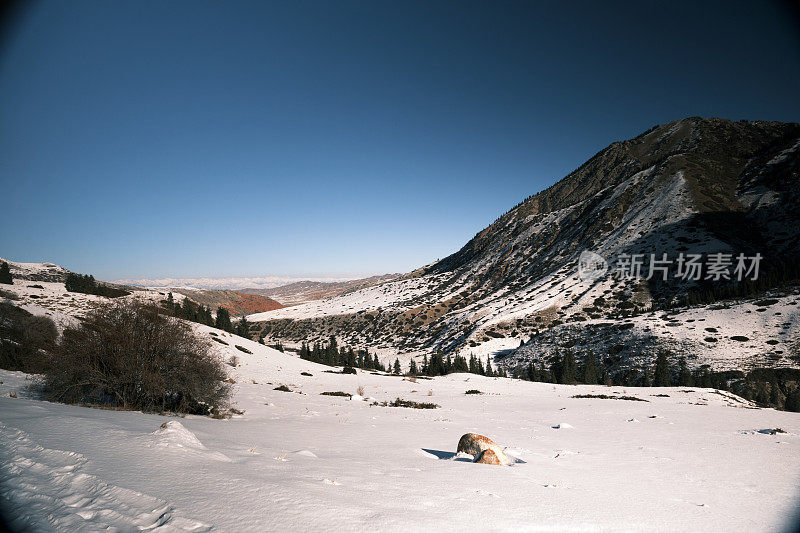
{"type": "Point", "coordinates": [692, 185]}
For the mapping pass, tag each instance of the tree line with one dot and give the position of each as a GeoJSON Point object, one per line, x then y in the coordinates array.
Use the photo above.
{"type": "Point", "coordinates": [86, 284]}
{"type": "Point", "coordinates": [194, 312]}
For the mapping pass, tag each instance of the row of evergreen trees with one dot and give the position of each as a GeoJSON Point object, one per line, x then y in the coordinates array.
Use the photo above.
{"type": "Point", "coordinates": [86, 284]}
{"type": "Point", "coordinates": [439, 365]}
{"type": "Point", "coordinates": [775, 275]}
{"type": "Point", "coordinates": [190, 310]}
{"type": "Point", "coordinates": [564, 369]}
{"type": "Point", "coordinates": [332, 354]}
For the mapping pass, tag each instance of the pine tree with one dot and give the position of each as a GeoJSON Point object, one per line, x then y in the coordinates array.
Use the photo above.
{"type": "Point", "coordinates": [568, 369]}
{"type": "Point", "coordinates": [661, 376]}
{"type": "Point", "coordinates": [397, 366]}
{"type": "Point", "coordinates": [645, 377]}
{"type": "Point", "coordinates": [5, 274]}
{"type": "Point", "coordinates": [489, 371]}
{"type": "Point", "coordinates": [223, 321]}
{"type": "Point", "coordinates": [412, 367]}
{"type": "Point", "coordinates": [243, 328]}
{"type": "Point", "coordinates": [590, 371]}
{"type": "Point", "coordinates": [684, 376]}
{"type": "Point", "coordinates": [793, 401]}
{"type": "Point", "coordinates": [532, 374]}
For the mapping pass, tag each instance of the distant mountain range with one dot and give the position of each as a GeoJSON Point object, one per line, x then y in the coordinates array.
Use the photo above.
{"type": "Point", "coordinates": [237, 303]}
{"type": "Point", "coordinates": [307, 291]}
{"type": "Point", "coordinates": [693, 186]}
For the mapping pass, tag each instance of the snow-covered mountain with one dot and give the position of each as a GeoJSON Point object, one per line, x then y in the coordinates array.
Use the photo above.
{"type": "Point", "coordinates": [693, 186]}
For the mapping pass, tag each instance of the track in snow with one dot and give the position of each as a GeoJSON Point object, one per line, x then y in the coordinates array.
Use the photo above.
{"type": "Point", "coordinates": [44, 490]}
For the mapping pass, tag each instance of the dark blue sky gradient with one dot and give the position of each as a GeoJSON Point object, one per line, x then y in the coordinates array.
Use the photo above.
{"type": "Point", "coordinates": [144, 139]}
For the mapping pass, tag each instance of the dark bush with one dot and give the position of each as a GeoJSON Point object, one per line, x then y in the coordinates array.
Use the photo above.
{"type": "Point", "coordinates": [349, 370]}
{"type": "Point", "coordinates": [336, 393]}
{"type": "Point", "coordinates": [399, 402]}
{"type": "Point", "coordinates": [127, 355]}
{"type": "Point", "coordinates": [283, 388]}
{"type": "Point", "coordinates": [306, 374]}
{"type": "Point", "coordinates": [24, 339]}
{"type": "Point", "coordinates": [242, 349]}
{"type": "Point", "coordinates": [473, 391]}
{"type": "Point", "coordinates": [607, 397]}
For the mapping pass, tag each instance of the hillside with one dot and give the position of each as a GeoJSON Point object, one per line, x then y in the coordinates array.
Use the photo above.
{"type": "Point", "coordinates": [307, 291]}
{"type": "Point", "coordinates": [238, 303]}
{"type": "Point", "coordinates": [693, 186]}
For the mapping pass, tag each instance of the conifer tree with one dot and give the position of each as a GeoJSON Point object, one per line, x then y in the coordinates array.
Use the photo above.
{"type": "Point", "coordinates": [397, 366]}
{"type": "Point", "coordinates": [590, 370]}
{"type": "Point", "coordinates": [489, 371]}
{"type": "Point", "coordinates": [223, 321]}
{"type": "Point", "coordinates": [532, 374]}
{"type": "Point", "coordinates": [793, 400]}
{"type": "Point", "coordinates": [661, 376]}
{"type": "Point", "coordinates": [568, 369]}
{"type": "Point", "coordinates": [412, 367]}
{"type": "Point", "coordinates": [684, 376]}
{"type": "Point", "coordinates": [645, 377]}
{"type": "Point", "coordinates": [243, 328]}
{"type": "Point", "coordinates": [5, 274]}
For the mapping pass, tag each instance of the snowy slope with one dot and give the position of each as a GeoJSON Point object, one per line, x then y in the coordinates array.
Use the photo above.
{"type": "Point", "coordinates": [694, 460]}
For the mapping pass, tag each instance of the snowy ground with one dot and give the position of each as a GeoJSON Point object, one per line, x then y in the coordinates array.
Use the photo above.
{"type": "Point", "coordinates": [694, 460]}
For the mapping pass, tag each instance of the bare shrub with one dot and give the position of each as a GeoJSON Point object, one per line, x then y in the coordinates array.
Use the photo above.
{"type": "Point", "coordinates": [129, 356]}
{"type": "Point", "coordinates": [233, 361]}
{"type": "Point", "coordinates": [399, 402]}
{"type": "Point", "coordinates": [360, 390]}
{"type": "Point", "coordinates": [24, 339]}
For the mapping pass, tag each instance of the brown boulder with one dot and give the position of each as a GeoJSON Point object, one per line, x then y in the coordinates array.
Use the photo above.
{"type": "Point", "coordinates": [475, 445]}
{"type": "Point", "coordinates": [488, 457]}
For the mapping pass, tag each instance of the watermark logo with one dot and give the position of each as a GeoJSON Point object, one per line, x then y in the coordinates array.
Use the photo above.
{"type": "Point", "coordinates": [591, 266]}
{"type": "Point", "coordinates": [688, 267]}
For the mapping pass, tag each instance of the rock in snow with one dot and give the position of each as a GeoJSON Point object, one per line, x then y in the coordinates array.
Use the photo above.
{"type": "Point", "coordinates": [488, 457]}
{"type": "Point", "coordinates": [478, 446]}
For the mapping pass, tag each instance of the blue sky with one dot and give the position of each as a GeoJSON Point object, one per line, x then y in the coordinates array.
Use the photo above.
{"type": "Point", "coordinates": [152, 139]}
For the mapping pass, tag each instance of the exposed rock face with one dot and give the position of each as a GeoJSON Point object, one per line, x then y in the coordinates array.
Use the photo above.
{"type": "Point", "coordinates": [484, 449]}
